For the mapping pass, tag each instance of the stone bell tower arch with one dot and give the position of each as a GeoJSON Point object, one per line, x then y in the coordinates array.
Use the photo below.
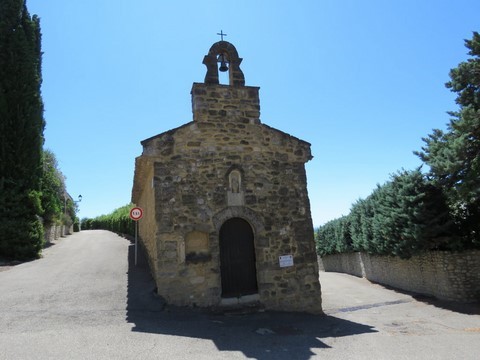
{"type": "Point", "coordinates": [213, 102]}
{"type": "Point", "coordinates": [230, 56]}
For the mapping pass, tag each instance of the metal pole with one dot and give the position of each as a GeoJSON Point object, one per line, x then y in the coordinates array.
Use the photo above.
{"type": "Point", "coordinates": [136, 244]}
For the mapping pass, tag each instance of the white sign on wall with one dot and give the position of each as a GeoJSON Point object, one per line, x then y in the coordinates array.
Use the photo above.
{"type": "Point", "coordinates": [285, 260]}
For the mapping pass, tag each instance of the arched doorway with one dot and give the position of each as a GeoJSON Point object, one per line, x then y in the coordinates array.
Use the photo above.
{"type": "Point", "coordinates": [237, 259]}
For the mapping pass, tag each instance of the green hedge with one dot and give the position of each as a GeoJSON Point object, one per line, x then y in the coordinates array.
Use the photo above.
{"type": "Point", "coordinates": [118, 221]}
{"type": "Point", "coordinates": [334, 237]}
{"type": "Point", "coordinates": [403, 217]}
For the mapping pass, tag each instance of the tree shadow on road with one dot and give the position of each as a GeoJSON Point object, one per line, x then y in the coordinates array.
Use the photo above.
{"type": "Point", "coordinates": [261, 335]}
{"type": "Point", "coordinates": [459, 307]}
{"type": "Point", "coordinates": [462, 308]}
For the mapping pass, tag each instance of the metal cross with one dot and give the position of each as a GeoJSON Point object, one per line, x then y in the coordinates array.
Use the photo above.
{"type": "Point", "coordinates": [221, 34]}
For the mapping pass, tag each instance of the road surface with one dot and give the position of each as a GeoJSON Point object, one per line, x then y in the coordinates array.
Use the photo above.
{"type": "Point", "coordinates": [86, 300]}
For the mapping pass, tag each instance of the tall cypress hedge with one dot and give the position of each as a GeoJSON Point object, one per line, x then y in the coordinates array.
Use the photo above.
{"type": "Point", "coordinates": [21, 132]}
{"type": "Point", "coordinates": [403, 217]}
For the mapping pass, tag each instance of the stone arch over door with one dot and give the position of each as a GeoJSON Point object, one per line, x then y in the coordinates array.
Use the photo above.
{"type": "Point", "coordinates": [245, 213]}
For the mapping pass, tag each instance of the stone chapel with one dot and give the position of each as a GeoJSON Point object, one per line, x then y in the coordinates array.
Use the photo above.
{"type": "Point", "coordinates": [226, 210]}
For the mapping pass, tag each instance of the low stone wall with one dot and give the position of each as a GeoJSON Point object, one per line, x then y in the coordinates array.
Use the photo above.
{"type": "Point", "coordinates": [53, 232]}
{"type": "Point", "coordinates": [49, 234]}
{"type": "Point", "coordinates": [444, 275]}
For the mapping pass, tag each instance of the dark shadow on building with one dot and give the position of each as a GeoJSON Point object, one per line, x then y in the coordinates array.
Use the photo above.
{"type": "Point", "coordinates": [260, 335]}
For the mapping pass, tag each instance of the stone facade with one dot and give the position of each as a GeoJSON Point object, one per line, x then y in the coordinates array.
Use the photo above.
{"type": "Point", "coordinates": [444, 275]}
{"type": "Point", "coordinates": [225, 165]}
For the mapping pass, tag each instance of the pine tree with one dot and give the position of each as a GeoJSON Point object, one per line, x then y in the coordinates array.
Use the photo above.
{"type": "Point", "coordinates": [454, 155]}
{"type": "Point", "coordinates": [21, 132]}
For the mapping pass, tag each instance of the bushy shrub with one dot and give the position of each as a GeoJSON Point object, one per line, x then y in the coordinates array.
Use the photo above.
{"type": "Point", "coordinates": [21, 228]}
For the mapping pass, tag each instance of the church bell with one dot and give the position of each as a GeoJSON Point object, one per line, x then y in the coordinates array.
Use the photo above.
{"type": "Point", "coordinates": [223, 63]}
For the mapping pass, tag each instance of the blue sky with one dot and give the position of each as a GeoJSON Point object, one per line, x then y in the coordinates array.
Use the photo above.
{"type": "Point", "coordinates": [362, 81]}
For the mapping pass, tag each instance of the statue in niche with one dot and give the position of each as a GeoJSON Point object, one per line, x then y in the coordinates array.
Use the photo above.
{"type": "Point", "coordinates": [235, 179]}
{"type": "Point", "coordinates": [235, 195]}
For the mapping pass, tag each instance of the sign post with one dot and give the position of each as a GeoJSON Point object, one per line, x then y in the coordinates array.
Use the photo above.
{"type": "Point", "coordinates": [136, 214]}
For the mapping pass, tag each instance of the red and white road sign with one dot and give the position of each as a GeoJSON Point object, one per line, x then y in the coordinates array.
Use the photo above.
{"type": "Point", "coordinates": [136, 213]}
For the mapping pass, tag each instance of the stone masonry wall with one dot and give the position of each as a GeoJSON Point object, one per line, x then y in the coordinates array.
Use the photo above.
{"type": "Point", "coordinates": [53, 232]}
{"type": "Point", "coordinates": [147, 226]}
{"type": "Point", "coordinates": [221, 103]}
{"type": "Point", "coordinates": [50, 233]}
{"type": "Point", "coordinates": [191, 187]}
{"type": "Point", "coordinates": [444, 275]}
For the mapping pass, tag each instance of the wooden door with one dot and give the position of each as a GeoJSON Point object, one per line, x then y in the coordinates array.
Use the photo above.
{"type": "Point", "coordinates": [237, 259]}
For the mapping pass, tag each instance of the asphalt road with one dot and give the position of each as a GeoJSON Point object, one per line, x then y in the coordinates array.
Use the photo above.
{"type": "Point", "coordinates": [85, 300]}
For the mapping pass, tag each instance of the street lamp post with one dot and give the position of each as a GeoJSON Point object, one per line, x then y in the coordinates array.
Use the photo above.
{"type": "Point", "coordinates": [80, 197]}
{"type": "Point", "coordinates": [65, 194]}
